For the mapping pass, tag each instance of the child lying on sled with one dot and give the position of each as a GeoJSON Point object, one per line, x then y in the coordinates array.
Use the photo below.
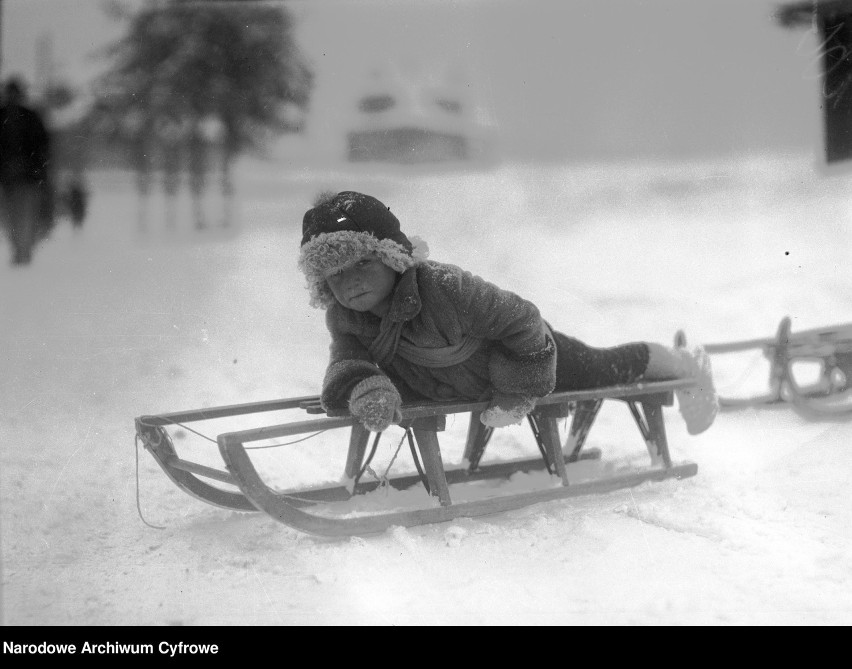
{"type": "Point", "coordinates": [404, 328]}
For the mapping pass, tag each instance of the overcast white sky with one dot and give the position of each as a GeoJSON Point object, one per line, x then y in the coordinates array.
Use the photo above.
{"type": "Point", "coordinates": [557, 77]}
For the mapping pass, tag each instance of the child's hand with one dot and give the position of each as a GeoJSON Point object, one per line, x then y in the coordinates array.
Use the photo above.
{"type": "Point", "coordinates": [375, 402]}
{"type": "Point", "coordinates": [506, 410]}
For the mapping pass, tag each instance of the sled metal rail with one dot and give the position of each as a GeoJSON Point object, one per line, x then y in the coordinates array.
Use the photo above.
{"type": "Point", "coordinates": [425, 420]}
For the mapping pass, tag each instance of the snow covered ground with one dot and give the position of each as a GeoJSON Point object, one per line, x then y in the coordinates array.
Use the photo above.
{"type": "Point", "coordinates": [110, 323]}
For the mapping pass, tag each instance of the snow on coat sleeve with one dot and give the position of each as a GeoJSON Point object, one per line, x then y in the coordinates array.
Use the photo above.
{"type": "Point", "coordinates": [349, 364]}
{"type": "Point", "coordinates": [524, 361]}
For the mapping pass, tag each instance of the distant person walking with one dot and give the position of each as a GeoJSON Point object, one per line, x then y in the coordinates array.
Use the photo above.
{"type": "Point", "coordinates": [24, 165]}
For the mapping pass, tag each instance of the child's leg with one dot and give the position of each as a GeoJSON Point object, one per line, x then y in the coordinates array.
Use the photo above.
{"type": "Point", "coordinates": [580, 366]}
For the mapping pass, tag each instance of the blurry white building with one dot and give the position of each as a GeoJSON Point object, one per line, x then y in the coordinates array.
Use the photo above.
{"type": "Point", "coordinates": [410, 117]}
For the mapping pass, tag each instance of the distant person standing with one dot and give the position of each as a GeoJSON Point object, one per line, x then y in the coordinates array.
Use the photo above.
{"type": "Point", "coordinates": [24, 164]}
{"type": "Point", "coordinates": [170, 132]}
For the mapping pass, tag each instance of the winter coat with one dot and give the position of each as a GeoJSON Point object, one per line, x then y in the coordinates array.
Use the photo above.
{"type": "Point", "coordinates": [24, 146]}
{"type": "Point", "coordinates": [441, 305]}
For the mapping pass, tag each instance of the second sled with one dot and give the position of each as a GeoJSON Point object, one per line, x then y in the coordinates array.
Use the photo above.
{"type": "Point", "coordinates": [828, 350]}
{"type": "Point", "coordinates": [239, 486]}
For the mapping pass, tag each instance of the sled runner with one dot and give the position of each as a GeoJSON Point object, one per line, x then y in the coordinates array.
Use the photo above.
{"type": "Point", "coordinates": [829, 348]}
{"type": "Point", "coordinates": [247, 491]}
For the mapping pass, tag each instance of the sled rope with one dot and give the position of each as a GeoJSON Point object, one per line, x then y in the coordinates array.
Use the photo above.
{"type": "Point", "coordinates": [749, 369]}
{"type": "Point", "coordinates": [383, 479]}
{"type": "Point", "coordinates": [185, 427]}
{"type": "Point", "coordinates": [393, 459]}
{"type": "Point", "coordinates": [138, 505]}
{"type": "Point", "coordinates": [286, 443]}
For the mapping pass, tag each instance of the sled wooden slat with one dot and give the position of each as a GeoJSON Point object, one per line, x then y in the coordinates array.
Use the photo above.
{"type": "Point", "coordinates": [658, 446]}
{"type": "Point", "coordinates": [224, 411]}
{"type": "Point", "coordinates": [358, 438]}
{"type": "Point", "coordinates": [478, 436]}
{"type": "Point", "coordinates": [584, 415]}
{"type": "Point", "coordinates": [549, 434]}
{"type": "Point", "coordinates": [430, 453]}
{"type": "Point", "coordinates": [286, 429]}
{"type": "Point", "coordinates": [201, 470]}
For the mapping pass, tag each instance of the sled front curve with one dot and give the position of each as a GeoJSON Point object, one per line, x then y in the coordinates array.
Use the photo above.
{"type": "Point", "coordinates": [185, 475]}
{"type": "Point", "coordinates": [284, 507]}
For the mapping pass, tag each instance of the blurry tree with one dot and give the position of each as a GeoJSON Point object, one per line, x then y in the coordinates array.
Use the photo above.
{"type": "Point", "coordinates": [234, 63]}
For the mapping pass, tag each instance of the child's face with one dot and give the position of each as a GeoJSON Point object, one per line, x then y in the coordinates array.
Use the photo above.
{"type": "Point", "coordinates": [364, 284]}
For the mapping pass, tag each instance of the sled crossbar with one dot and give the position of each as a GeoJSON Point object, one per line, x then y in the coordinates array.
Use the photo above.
{"type": "Point", "coordinates": [201, 470]}
{"type": "Point", "coordinates": [805, 341]}
{"type": "Point", "coordinates": [424, 420]}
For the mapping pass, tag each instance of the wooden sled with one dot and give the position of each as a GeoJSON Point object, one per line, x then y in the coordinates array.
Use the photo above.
{"type": "Point", "coordinates": [422, 423]}
{"type": "Point", "coordinates": [829, 347]}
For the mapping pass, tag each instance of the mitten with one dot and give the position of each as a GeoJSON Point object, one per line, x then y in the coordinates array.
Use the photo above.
{"type": "Point", "coordinates": [506, 409]}
{"type": "Point", "coordinates": [375, 402]}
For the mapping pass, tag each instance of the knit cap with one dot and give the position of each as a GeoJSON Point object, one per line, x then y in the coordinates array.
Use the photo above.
{"type": "Point", "coordinates": [344, 227]}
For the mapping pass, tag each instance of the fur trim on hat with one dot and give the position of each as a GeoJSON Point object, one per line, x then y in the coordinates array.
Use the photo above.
{"type": "Point", "coordinates": [329, 250]}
